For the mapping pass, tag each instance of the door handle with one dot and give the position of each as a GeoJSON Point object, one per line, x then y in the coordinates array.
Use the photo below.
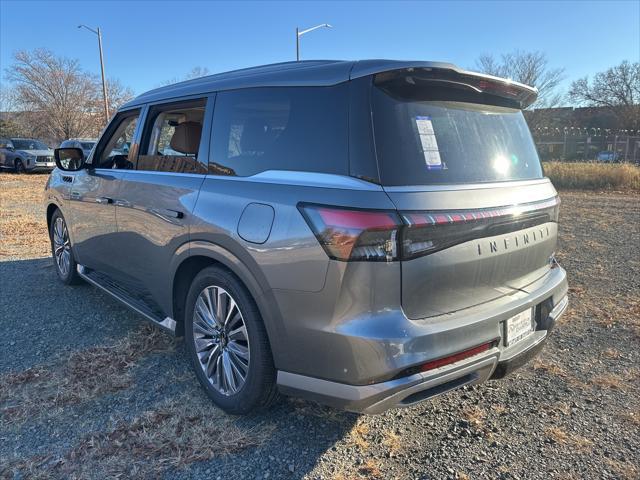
{"type": "Point", "coordinates": [165, 212]}
{"type": "Point", "coordinates": [104, 200]}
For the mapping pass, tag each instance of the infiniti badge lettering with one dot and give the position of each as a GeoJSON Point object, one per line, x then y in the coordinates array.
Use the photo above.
{"type": "Point", "coordinates": [516, 241]}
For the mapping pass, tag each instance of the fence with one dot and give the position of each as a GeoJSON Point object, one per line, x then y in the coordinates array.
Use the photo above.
{"type": "Point", "coordinates": [588, 144]}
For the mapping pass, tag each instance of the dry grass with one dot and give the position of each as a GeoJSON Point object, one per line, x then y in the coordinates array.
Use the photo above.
{"type": "Point", "coordinates": [85, 375]}
{"type": "Point", "coordinates": [178, 433]}
{"type": "Point", "coordinates": [358, 434]}
{"type": "Point", "coordinates": [392, 441]}
{"type": "Point", "coordinates": [498, 409]}
{"type": "Point", "coordinates": [548, 367]}
{"type": "Point", "coordinates": [474, 415]}
{"type": "Point", "coordinates": [632, 417]}
{"type": "Point", "coordinates": [593, 176]}
{"type": "Point", "coordinates": [576, 442]}
{"type": "Point", "coordinates": [611, 353]}
{"type": "Point", "coordinates": [557, 434]}
{"type": "Point", "coordinates": [371, 469]}
{"type": "Point", "coordinates": [23, 225]}
{"type": "Point", "coordinates": [623, 470]}
{"type": "Point", "coordinates": [609, 381]}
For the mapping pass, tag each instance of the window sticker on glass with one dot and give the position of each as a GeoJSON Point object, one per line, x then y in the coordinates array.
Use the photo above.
{"type": "Point", "coordinates": [428, 142]}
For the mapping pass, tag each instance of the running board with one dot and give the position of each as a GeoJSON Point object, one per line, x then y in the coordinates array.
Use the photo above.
{"type": "Point", "coordinates": [104, 283]}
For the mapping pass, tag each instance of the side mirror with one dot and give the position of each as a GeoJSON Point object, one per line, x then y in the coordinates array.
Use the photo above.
{"type": "Point", "coordinates": [69, 159]}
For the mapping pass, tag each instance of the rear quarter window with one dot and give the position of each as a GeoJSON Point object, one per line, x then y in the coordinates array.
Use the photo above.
{"type": "Point", "coordinates": [299, 128]}
{"type": "Point", "coordinates": [424, 142]}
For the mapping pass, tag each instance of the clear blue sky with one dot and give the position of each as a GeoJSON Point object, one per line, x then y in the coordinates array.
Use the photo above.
{"type": "Point", "coordinates": [148, 42]}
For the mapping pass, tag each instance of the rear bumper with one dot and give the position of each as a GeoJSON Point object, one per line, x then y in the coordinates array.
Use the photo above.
{"type": "Point", "coordinates": [496, 362]}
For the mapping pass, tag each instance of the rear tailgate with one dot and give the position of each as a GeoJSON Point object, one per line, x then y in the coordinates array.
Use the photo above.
{"type": "Point", "coordinates": [507, 249]}
{"type": "Point", "coordinates": [456, 157]}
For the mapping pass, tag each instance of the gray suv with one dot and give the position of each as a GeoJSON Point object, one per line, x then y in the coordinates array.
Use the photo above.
{"type": "Point", "coordinates": [366, 234]}
{"type": "Point", "coordinates": [25, 155]}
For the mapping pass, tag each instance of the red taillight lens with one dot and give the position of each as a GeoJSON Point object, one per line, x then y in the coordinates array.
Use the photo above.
{"type": "Point", "coordinates": [386, 235]}
{"type": "Point", "coordinates": [349, 234]}
{"type": "Point", "coordinates": [456, 357]}
{"type": "Point", "coordinates": [429, 232]}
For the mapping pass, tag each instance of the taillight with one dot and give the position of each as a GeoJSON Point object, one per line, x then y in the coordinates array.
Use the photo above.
{"type": "Point", "coordinates": [386, 235]}
{"type": "Point", "coordinates": [429, 232]}
{"type": "Point", "coordinates": [349, 234]}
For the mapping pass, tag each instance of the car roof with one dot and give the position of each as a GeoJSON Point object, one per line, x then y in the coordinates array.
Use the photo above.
{"type": "Point", "coordinates": [308, 73]}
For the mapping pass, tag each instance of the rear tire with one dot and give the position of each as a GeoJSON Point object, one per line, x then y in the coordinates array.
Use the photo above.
{"type": "Point", "coordinates": [62, 252]}
{"type": "Point", "coordinates": [19, 166]}
{"type": "Point", "coordinates": [227, 343]}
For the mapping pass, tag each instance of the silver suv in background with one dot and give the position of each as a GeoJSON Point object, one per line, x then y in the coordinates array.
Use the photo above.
{"type": "Point", "coordinates": [26, 155]}
{"type": "Point", "coordinates": [365, 234]}
{"type": "Point", "coordinates": [84, 144]}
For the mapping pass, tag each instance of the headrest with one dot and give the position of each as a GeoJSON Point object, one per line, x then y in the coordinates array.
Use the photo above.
{"type": "Point", "coordinates": [186, 138]}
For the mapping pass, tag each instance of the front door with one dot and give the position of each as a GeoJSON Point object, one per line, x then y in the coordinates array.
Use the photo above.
{"type": "Point", "coordinates": [157, 197]}
{"type": "Point", "coordinates": [95, 190]}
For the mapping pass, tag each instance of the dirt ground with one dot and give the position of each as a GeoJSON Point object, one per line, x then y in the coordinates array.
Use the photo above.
{"type": "Point", "coordinates": [89, 390]}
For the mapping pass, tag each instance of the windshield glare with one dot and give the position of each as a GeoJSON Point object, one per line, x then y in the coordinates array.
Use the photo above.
{"type": "Point", "coordinates": [87, 145]}
{"type": "Point", "coordinates": [438, 142]}
{"type": "Point", "coordinates": [28, 144]}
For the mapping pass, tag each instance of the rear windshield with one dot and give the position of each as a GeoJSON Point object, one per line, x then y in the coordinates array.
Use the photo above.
{"type": "Point", "coordinates": [424, 142]}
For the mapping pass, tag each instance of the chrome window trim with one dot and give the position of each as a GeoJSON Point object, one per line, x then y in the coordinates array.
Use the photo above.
{"type": "Point", "coordinates": [304, 179]}
{"type": "Point", "coordinates": [466, 186]}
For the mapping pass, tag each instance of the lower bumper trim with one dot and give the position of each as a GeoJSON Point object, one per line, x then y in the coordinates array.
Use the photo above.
{"type": "Point", "coordinates": [505, 367]}
{"type": "Point", "coordinates": [401, 392]}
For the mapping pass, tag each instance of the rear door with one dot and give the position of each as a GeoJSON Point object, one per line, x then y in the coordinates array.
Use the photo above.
{"type": "Point", "coordinates": [94, 190]}
{"type": "Point", "coordinates": [461, 167]}
{"type": "Point", "coordinates": [157, 197]}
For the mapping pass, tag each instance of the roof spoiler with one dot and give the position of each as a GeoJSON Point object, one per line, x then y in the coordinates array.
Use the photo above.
{"type": "Point", "coordinates": [447, 74]}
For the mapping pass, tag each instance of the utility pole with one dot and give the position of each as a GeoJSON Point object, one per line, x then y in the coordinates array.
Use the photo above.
{"type": "Point", "coordinates": [299, 33]}
{"type": "Point", "coordinates": [104, 80]}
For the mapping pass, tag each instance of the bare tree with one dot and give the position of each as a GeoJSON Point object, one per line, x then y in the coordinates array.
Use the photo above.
{"type": "Point", "coordinates": [617, 88]}
{"type": "Point", "coordinates": [530, 68]}
{"type": "Point", "coordinates": [59, 99]}
{"type": "Point", "coordinates": [195, 72]}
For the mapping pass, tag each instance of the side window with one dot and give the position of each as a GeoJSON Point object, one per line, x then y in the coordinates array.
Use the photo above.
{"type": "Point", "coordinates": [298, 128]}
{"type": "Point", "coordinates": [113, 149]}
{"type": "Point", "coordinates": [171, 139]}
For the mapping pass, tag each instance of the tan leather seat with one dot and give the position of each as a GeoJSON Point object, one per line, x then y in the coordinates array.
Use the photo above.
{"type": "Point", "coordinates": [186, 138]}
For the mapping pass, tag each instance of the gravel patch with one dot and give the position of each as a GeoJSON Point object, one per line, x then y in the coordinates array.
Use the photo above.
{"type": "Point", "coordinates": [572, 413]}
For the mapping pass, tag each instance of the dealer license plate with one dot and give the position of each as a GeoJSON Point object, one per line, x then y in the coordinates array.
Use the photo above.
{"type": "Point", "coordinates": [518, 327]}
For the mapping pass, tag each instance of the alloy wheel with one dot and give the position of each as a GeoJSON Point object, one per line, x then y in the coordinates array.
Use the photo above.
{"type": "Point", "coordinates": [61, 246]}
{"type": "Point", "coordinates": [221, 340]}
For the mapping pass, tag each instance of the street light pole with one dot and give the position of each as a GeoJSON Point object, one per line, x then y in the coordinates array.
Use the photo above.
{"type": "Point", "coordinates": [299, 33]}
{"type": "Point", "coordinates": [104, 80]}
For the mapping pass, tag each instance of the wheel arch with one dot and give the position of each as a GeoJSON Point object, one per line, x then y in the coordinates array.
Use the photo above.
{"type": "Point", "coordinates": [195, 256]}
{"type": "Point", "coordinates": [51, 208]}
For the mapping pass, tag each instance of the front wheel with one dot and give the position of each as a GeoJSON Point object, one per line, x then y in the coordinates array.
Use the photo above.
{"type": "Point", "coordinates": [227, 343]}
{"type": "Point", "coordinates": [63, 261]}
{"type": "Point", "coordinates": [19, 166]}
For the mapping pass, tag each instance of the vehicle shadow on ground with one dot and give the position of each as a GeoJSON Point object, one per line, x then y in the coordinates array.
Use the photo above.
{"type": "Point", "coordinates": [90, 389]}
